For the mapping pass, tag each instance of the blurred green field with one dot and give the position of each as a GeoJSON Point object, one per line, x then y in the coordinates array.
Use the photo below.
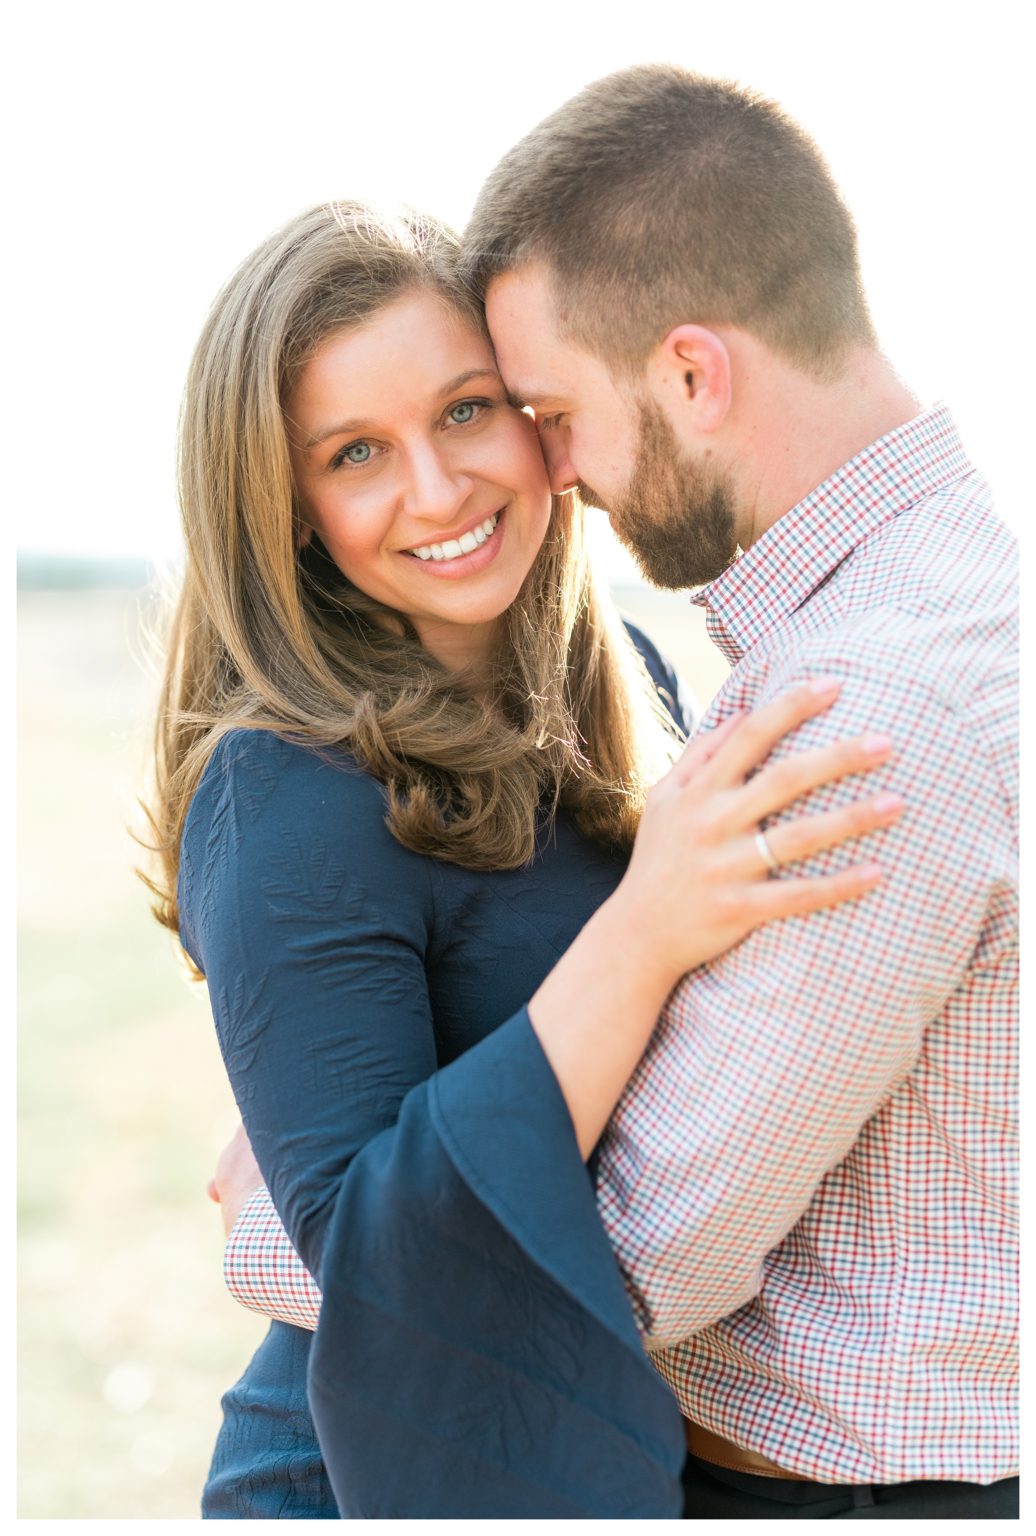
{"type": "Point", "coordinates": [126, 1335]}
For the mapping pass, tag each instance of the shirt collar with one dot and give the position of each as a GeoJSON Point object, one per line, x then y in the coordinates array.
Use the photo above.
{"type": "Point", "coordinates": [788, 562]}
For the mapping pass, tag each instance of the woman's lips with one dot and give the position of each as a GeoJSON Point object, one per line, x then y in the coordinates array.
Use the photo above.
{"type": "Point", "coordinates": [467, 562]}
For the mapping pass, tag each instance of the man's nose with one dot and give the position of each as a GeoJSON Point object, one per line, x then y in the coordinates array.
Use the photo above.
{"type": "Point", "coordinates": [555, 448]}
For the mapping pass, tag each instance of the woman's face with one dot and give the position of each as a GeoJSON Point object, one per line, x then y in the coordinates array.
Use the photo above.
{"type": "Point", "coordinates": [427, 489]}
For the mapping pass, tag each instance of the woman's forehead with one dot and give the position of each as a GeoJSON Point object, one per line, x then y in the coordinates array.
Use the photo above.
{"type": "Point", "coordinates": [410, 352]}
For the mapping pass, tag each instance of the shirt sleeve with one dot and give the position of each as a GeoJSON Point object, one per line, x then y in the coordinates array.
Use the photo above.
{"type": "Point", "coordinates": [262, 1270]}
{"type": "Point", "coordinates": [767, 1063]}
{"type": "Point", "coordinates": [474, 1329]}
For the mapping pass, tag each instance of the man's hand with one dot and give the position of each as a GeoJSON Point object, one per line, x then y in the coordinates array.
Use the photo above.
{"type": "Point", "coordinates": [237, 1177]}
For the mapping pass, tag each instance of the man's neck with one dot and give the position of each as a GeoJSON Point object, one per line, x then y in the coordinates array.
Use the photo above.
{"type": "Point", "coordinates": [797, 430]}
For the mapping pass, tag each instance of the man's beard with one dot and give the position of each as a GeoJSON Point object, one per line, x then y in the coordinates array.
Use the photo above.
{"type": "Point", "coordinates": [675, 517]}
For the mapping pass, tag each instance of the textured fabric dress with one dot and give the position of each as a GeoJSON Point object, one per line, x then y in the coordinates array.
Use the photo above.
{"type": "Point", "coordinates": [369, 1004]}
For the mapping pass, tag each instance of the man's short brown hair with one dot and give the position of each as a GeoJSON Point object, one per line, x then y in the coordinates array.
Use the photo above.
{"type": "Point", "coordinates": [657, 197]}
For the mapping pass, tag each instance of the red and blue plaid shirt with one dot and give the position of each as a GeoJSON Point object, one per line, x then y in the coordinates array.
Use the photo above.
{"type": "Point", "coordinates": [810, 1182]}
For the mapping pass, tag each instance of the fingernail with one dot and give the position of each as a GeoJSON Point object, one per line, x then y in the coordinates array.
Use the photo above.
{"type": "Point", "coordinates": [875, 744]}
{"type": "Point", "coordinates": [825, 687]}
{"type": "Point", "coordinates": [888, 802]}
{"type": "Point", "coordinates": [869, 873]}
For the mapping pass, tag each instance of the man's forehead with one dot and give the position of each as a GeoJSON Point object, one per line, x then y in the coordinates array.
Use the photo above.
{"type": "Point", "coordinates": [527, 287]}
{"type": "Point", "coordinates": [523, 325]}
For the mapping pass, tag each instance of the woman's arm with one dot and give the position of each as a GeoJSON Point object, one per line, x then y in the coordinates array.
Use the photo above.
{"type": "Point", "coordinates": [264, 1271]}
{"type": "Point", "coordinates": [443, 1346]}
{"type": "Point", "coordinates": [455, 1217]}
{"type": "Point", "coordinates": [696, 856]}
{"type": "Point", "coordinates": [312, 926]}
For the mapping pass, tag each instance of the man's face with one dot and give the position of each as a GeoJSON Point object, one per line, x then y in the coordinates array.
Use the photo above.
{"type": "Point", "coordinates": [676, 515]}
{"type": "Point", "coordinates": [587, 428]}
{"type": "Point", "coordinates": [612, 442]}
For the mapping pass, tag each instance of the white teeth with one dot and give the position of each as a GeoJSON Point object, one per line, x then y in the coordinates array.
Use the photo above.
{"type": "Point", "coordinates": [462, 546]}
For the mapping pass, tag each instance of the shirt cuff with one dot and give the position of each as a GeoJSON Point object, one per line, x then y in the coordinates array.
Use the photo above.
{"type": "Point", "coordinates": [262, 1270]}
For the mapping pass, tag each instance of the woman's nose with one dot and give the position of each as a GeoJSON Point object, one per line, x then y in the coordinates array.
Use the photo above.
{"type": "Point", "coordinates": [437, 489]}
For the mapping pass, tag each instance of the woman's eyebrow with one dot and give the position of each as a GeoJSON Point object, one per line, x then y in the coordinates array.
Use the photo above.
{"type": "Point", "coordinates": [463, 378]}
{"type": "Point", "coordinates": [340, 429]}
{"type": "Point", "coordinates": [358, 424]}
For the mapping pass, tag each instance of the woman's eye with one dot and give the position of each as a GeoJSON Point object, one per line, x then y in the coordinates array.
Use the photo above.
{"type": "Point", "coordinates": [464, 411]}
{"type": "Point", "coordinates": [352, 453]}
{"type": "Point", "coordinates": [545, 423]}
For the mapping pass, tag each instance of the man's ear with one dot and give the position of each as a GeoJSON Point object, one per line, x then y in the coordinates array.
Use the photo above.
{"type": "Point", "coordinates": [692, 365]}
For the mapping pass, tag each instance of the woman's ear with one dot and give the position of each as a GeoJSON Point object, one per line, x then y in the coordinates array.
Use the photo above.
{"type": "Point", "coordinates": [692, 364]}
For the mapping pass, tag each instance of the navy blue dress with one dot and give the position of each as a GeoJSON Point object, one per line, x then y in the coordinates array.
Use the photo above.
{"type": "Point", "coordinates": [476, 1353]}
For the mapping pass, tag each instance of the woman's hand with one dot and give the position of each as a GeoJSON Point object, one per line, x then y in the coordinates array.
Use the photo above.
{"type": "Point", "coordinates": [698, 881]}
{"type": "Point", "coordinates": [697, 884]}
{"type": "Point", "coordinates": [237, 1177]}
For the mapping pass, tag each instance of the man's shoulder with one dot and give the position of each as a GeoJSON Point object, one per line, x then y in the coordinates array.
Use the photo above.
{"type": "Point", "coordinates": [929, 602]}
{"type": "Point", "coordinates": [948, 548]}
{"type": "Point", "coordinates": [956, 662]}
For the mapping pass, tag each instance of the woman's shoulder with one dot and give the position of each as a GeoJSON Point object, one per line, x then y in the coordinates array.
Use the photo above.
{"type": "Point", "coordinates": [262, 793]}
{"type": "Point", "coordinates": [265, 773]}
{"type": "Point", "coordinates": [272, 815]}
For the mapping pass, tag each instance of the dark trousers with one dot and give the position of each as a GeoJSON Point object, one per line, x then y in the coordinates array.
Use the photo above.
{"type": "Point", "coordinates": [713, 1493]}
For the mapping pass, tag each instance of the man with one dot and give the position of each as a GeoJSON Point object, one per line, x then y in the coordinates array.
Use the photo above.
{"type": "Point", "coordinates": [810, 1180]}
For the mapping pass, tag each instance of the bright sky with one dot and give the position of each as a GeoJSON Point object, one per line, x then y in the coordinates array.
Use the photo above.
{"type": "Point", "coordinates": [159, 145]}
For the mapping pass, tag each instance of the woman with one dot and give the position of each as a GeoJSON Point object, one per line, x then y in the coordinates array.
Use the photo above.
{"type": "Point", "coordinates": [403, 751]}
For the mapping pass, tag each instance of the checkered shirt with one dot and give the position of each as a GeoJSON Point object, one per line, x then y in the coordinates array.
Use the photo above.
{"type": "Point", "coordinates": [810, 1182]}
{"type": "Point", "coordinates": [262, 1270]}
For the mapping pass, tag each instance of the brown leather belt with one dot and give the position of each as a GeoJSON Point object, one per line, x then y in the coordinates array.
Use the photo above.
{"type": "Point", "coordinates": [724, 1453]}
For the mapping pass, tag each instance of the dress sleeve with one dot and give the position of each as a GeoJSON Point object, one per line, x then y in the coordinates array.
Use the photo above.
{"type": "Point", "coordinates": [476, 1354]}
{"type": "Point", "coordinates": [311, 925]}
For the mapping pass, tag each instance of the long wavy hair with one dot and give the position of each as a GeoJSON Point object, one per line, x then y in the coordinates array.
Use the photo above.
{"type": "Point", "coordinates": [267, 634]}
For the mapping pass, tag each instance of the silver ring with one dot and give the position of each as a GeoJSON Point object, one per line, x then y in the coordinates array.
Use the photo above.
{"type": "Point", "coordinates": [769, 858]}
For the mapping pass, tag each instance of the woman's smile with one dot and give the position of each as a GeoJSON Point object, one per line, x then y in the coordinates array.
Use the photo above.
{"type": "Point", "coordinates": [456, 555]}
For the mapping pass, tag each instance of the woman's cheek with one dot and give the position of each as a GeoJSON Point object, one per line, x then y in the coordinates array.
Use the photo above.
{"type": "Point", "coordinates": [533, 466]}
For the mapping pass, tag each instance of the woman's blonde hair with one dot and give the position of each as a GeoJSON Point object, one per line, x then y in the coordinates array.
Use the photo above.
{"type": "Point", "coordinates": [269, 635]}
